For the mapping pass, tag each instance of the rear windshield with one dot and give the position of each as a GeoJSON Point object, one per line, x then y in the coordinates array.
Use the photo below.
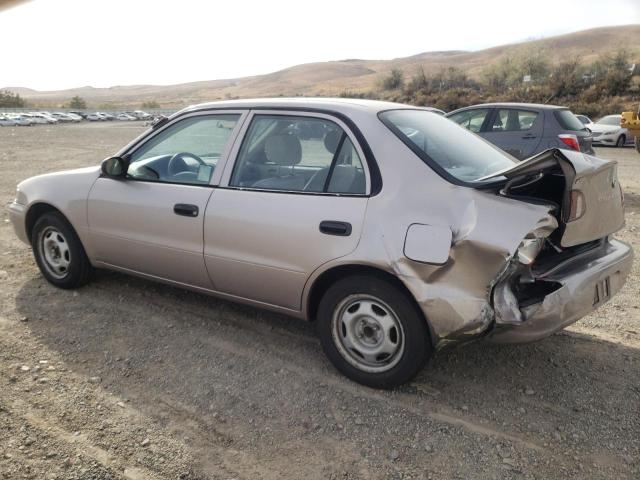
{"type": "Point", "coordinates": [568, 121]}
{"type": "Point", "coordinates": [446, 146]}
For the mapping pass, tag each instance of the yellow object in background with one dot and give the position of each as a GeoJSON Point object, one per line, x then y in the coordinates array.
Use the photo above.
{"type": "Point", "coordinates": [631, 121]}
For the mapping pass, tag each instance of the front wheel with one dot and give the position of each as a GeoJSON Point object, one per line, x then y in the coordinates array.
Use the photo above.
{"type": "Point", "coordinates": [638, 143]}
{"type": "Point", "coordinates": [59, 252]}
{"type": "Point", "coordinates": [372, 332]}
{"type": "Point", "coordinates": [621, 141]}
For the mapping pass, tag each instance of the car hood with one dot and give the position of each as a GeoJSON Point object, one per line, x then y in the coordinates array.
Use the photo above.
{"type": "Point", "coordinates": [596, 128]}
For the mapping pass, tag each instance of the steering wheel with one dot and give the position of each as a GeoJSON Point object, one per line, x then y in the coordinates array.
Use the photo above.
{"type": "Point", "coordinates": [177, 163]}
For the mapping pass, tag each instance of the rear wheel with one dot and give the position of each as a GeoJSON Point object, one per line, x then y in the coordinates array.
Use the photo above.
{"type": "Point", "coordinates": [621, 141]}
{"type": "Point", "coordinates": [638, 143]}
{"type": "Point", "coordinates": [59, 252]}
{"type": "Point", "coordinates": [372, 332]}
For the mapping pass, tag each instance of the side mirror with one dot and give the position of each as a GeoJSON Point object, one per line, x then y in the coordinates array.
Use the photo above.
{"type": "Point", "coordinates": [115, 167]}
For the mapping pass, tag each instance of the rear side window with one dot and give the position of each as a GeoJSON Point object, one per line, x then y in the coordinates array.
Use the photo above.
{"type": "Point", "coordinates": [568, 120]}
{"type": "Point", "coordinates": [471, 119]}
{"type": "Point", "coordinates": [444, 146]}
{"type": "Point", "coordinates": [511, 120]}
{"type": "Point", "coordinates": [298, 154]}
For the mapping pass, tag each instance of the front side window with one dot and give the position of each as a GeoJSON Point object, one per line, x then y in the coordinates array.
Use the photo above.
{"type": "Point", "coordinates": [186, 152]}
{"type": "Point", "coordinates": [471, 119]}
{"type": "Point", "coordinates": [298, 154]}
{"type": "Point", "coordinates": [445, 146]}
{"type": "Point", "coordinates": [511, 120]}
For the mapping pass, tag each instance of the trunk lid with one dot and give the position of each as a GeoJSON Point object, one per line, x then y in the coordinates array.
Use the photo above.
{"type": "Point", "coordinates": [584, 190]}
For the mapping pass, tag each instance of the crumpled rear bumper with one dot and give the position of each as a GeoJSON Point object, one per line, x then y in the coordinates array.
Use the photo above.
{"type": "Point", "coordinates": [586, 283]}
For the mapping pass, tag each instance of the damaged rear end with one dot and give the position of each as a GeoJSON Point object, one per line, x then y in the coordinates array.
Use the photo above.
{"type": "Point", "coordinates": [569, 264]}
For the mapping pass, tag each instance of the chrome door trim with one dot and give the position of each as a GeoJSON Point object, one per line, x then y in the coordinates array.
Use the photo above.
{"type": "Point", "coordinates": [239, 139]}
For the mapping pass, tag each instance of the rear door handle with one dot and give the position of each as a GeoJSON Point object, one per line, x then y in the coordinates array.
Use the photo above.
{"type": "Point", "coordinates": [186, 209]}
{"type": "Point", "coordinates": [332, 227]}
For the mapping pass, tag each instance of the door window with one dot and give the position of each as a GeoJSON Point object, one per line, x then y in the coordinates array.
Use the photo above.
{"type": "Point", "coordinates": [471, 119]}
{"type": "Point", "coordinates": [299, 154]}
{"type": "Point", "coordinates": [186, 152]}
{"type": "Point", "coordinates": [510, 120]}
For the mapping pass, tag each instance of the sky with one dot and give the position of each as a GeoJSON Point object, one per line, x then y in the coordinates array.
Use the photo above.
{"type": "Point", "coordinates": [57, 44]}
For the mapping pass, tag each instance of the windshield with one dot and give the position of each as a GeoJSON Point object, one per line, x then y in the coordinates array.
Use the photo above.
{"type": "Point", "coordinates": [446, 146]}
{"type": "Point", "coordinates": [610, 120]}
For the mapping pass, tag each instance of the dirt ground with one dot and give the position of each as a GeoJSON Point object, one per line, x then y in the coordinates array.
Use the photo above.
{"type": "Point", "coordinates": [129, 379]}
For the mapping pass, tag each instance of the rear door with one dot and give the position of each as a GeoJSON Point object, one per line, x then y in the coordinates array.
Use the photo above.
{"type": "Point", "coordinates": [294, 199]}
{"type": "Point", "coordinates": [516, 131]}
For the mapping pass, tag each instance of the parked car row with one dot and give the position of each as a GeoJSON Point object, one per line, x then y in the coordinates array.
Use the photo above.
{"type": "Point", "coordinates": [526, 129]}
{"type": "Point", "coordinates": [607, 131]}
{"type": "Point", "coordinates": [35, 118]}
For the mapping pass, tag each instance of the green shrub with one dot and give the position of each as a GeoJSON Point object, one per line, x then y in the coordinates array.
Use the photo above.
{"type": "Point", "coordinates": [393, 81]}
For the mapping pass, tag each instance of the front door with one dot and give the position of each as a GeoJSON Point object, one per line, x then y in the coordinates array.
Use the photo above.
{"type": "Point", "coordinates": [152, 221]}
{"type": "Point", "coordinates": [295, 199]}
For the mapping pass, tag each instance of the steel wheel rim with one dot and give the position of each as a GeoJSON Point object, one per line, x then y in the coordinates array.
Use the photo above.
{"type": "Point", "coordinates": [367, 333]}
{"type": "Point", "coordinates": [55, 252]}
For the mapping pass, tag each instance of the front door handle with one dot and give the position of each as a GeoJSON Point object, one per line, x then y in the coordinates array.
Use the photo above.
{"type": "Point", "coordinates": [529, 135]}
{"type": "Point", "coordinates": [186, 209]}
{"type": "Point", "coordinates": [332, 227]}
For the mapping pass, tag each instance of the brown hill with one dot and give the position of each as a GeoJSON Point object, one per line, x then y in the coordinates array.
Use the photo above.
{"type": "Point", "coordinates": [331, 78]}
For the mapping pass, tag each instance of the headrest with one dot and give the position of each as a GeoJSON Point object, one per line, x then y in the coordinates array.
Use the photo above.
{"type": "Point", "coordinates": [331, 140]}
{"type": "Point", "coordinates": [283, 149]}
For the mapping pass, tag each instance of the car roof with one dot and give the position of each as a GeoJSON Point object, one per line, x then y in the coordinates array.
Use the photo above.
{"type": "Point", "coordinates": [539, 106]}
{"type": "Point", "coordinates": [343, 105]}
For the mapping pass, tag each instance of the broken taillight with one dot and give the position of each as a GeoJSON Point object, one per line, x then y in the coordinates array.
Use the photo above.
{"type": "Point", "coordinates": [578, 206]}
{"type": "Point", "coordinates": [570, 140]}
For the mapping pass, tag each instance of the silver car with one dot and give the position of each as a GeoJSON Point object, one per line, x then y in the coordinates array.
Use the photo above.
{"type": "Point", "coordinates": [394, 229]}
{"type": "Point", "coordinates": [607, 131]}
{"type": "Point", "coordinates": [6, 121]}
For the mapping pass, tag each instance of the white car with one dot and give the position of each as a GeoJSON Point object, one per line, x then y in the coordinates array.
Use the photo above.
{"type": "Point", "coordinates": [584, 119]}
{"type": "Point", "coordinates": [6, 121]}
{"type": "Point", "coordinates": [74, 116]}
{"type": "Point", "coordinates": [140, 115]}
{"type": "Point", "coordinates": [126, 117]}
{"type": "Point", "coordinates": [34, 118]}
{"type": "Point", "coordinates": [20, 120]}
{"type": "Point", "coordinates": [95, 117]}
{"type": "Point", "coordinates": [50, 118]}
{"type": "Point", "coordinates": [607, 131]}
{"type": "Point", "coordinates": [44, 116]}
{"type": "Point", "coordinates": [65, 117]}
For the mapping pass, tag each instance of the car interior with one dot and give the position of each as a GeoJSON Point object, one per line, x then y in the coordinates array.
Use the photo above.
{"type": "Point", "coordinates": [299, 155]}
{"type": "Point", "coordinates": [281, 153]}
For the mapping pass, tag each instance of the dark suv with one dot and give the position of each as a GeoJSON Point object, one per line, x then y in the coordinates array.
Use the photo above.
{"type": "Point", "coordinates": [524, 129]}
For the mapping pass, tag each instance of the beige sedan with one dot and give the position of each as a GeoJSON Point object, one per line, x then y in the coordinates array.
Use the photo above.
{"type": "Point", "coordinates": [394, 229]}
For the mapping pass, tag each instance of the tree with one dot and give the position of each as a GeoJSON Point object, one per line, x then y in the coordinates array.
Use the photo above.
{"type": "Point", "coordinates": [394, 80]}
{"type": "Point", "coordinates": [77, 103]}
{"type": "Point", "coordinates": [11, 100]}
{"type": "Point", "coordinates": [150, 104]}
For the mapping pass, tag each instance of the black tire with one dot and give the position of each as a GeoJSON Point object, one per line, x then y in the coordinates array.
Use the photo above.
{"type": "Point", "coordinates": [79, 269]}
{"type": "Point", "coordinates": [638, 143]}
{"type": "Point", "coordinates": [416, 348]}
{"type": "Point", "coordinates": [621, 141]}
